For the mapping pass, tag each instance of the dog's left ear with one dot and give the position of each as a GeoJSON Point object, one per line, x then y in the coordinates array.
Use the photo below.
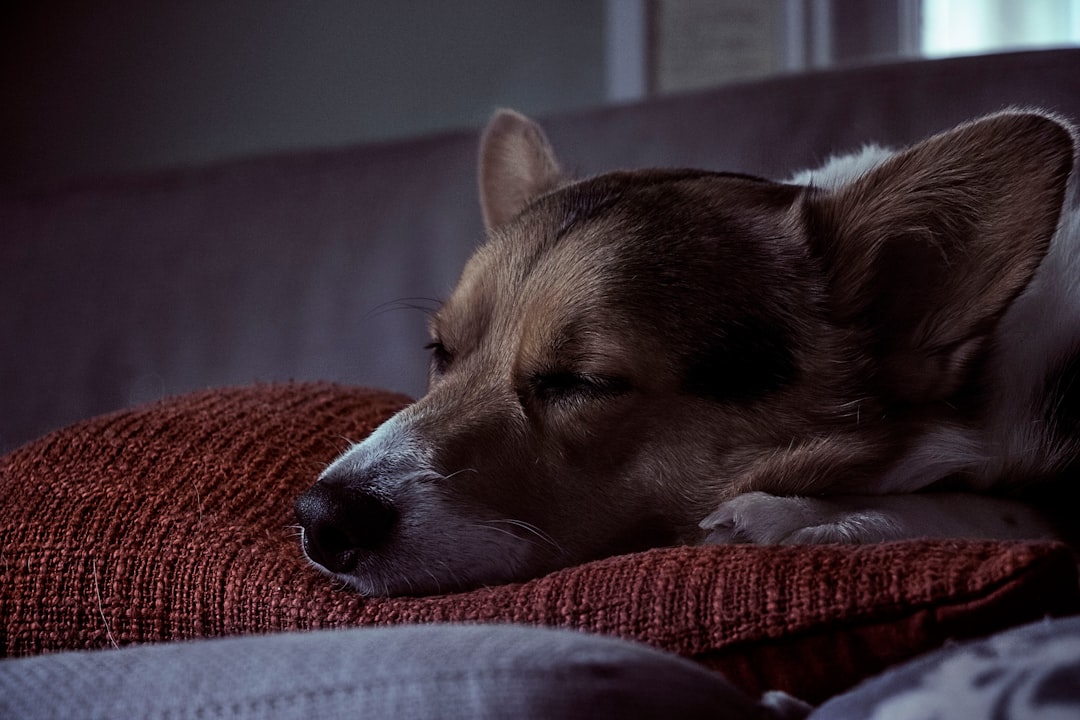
{"type": "Point", "coordinates": [927, 250]}
{"type": "Point", "coordinates": [516, 166]}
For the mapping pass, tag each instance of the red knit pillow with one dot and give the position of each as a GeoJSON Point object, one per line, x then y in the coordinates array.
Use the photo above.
{"type": "Point", "coordinates": [174, 521]}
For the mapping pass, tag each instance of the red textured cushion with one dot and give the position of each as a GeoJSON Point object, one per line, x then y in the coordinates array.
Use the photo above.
{"type": "Point", "coordinates": [174, 521]}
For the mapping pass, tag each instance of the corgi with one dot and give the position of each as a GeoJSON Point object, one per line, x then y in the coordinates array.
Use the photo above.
{"type": "Point", "coordinates": [884, 348]}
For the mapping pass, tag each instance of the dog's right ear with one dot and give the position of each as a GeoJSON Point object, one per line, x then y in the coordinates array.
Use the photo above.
{"type": "Point", "coordinates": [516, 166]}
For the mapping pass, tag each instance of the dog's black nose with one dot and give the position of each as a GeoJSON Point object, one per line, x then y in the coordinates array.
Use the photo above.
{"type": "Point", "coordinates": [341, 523]}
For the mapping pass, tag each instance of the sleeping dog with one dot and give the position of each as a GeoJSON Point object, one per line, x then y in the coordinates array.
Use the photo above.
{"type": "Point", "coordinates": [884, 348]}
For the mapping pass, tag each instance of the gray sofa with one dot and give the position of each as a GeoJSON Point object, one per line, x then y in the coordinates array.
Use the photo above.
{"type": "Point", "coordinates": [306, 266]}
{"type": "Point", "coordinates": [121, 290]}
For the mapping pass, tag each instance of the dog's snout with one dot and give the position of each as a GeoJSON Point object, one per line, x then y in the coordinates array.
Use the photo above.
{"type": "Point", "coordinates": [341, 524]}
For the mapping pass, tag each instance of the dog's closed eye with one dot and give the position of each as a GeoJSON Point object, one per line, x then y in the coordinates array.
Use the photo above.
{"type": "Point", "coordinates": [441, 357]}
{"type": "Point", "coordinates": [565, 386]}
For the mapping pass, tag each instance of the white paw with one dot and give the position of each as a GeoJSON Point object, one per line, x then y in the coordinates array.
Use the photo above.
{"type": "Point", "coordinates": [755, 517]}
{"type": "Point", "coordinates": [764, 519]}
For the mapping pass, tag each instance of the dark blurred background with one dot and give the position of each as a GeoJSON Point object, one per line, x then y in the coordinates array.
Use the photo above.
{"type": "Point", "coordinates": [116, 86]}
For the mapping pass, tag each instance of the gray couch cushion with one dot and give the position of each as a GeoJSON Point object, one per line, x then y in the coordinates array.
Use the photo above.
{"type": "Point", "coordinates": [1030, 673]}
{"type": "Point", "coordinates": [435, 671]}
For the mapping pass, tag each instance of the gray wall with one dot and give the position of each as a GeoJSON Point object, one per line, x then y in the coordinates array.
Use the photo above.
{"type": "Point", "coordinates": [115, 86]}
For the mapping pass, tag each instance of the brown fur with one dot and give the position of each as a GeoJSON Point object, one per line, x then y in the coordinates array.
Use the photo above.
{"type": "Point", "coordinates": [627, 352]}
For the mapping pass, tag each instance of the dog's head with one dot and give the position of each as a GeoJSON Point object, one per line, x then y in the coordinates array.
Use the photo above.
{"type": "Point", "coordinates": [626, 351]}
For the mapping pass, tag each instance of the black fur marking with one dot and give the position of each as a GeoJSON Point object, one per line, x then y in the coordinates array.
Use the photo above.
{"type": "Point", "coordinates": [583, 207]}
{"type": "Point", "coordinates": [744, 363]}
{"type": "Point", "coordinates": [588, 199]}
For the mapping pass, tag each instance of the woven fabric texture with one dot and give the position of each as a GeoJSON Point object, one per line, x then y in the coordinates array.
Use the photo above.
{"type": "Point", "coordinates": [174, 521]}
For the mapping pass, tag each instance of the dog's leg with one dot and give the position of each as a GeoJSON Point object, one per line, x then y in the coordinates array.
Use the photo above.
{"type": "Point", "coordinates": [758, 517]}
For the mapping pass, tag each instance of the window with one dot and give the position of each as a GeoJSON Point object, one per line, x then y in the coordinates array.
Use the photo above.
{"type": "Point", "coordinates": [966, 27]}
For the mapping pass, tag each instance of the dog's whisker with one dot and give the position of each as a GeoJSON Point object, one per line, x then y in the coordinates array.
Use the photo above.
{"type": "Point", "coordinates": [528, 527]}
{"type": "Point", "coordinates": [435, 579]}
{"type": "Point", "coordinates": [412, 590]}
{"type": "Point", "coordinates": [408, 300]}
{"type": "Point", "coordinates": [405, 303]}
{"type": "Point", "coordinates": [511, 533]}
{"type": "Point", "coordinates": [536, 531]}
{"type": "Point", "coordinates": [457, 472]}
{"type": "Point", "coordinates": [449, 572]}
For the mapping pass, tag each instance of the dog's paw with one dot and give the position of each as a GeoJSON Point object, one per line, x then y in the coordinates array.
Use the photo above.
{"type": "Point", "coordinates": [764, 519]}
{"type": "Point", "coordinates": [755, 517]}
